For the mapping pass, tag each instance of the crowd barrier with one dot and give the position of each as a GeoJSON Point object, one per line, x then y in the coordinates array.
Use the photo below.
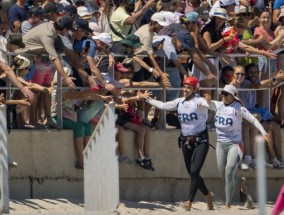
{"type": "Point", "coordinates": [216, 88]}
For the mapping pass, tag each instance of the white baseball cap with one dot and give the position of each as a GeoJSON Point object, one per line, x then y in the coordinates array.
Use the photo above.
{"type": "Point", "coordinates": [83, 11]}
{"type": "Point", "coordinates": [232, 90]}
{"type": "Point", "coordinates": [104, 37]}
{"type": "Point", "coordinates": [25, 62]}
{"type": "Point", "coordinates": [160, 19]}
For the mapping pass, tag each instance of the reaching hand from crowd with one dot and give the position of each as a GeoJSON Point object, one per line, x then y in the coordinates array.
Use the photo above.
{"type": "Point", "coordinates": [207, 98]}
{"type": "Point", "coordinates": [27, 93]}
{"type": "Point", "coordinates": [227, 59]}
{"type": "Point", "coordinates": [49, 89]}
{"type": "Point", "coordinates": [211, 77]}
{"type": "Point", "coordinates": [269, 54]}
{"type": "Point", "coordinates": [280, 76]}
{"type": "Point", "coordinates": [156, 74]}
{"type": "Point", "coordinates": [69, 82]}
{"type": "Point", "coordinates": [165, 80]}
{"type": "Point", "coordinates": [109, 87]}
{"type": "Point", "coordinates": [23, 102]}
{"type": "Point", "coordinates": [106, 99]}
{"type": "Point", "coordinates": [144, 95]}
{"type": "Point", "coordinates": [123, 107]}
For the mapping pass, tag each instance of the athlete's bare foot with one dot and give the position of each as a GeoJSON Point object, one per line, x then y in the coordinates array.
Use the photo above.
{"type": "Point", "coordinates": [209, 201]}
{"type": "Point", "coordinates": [186, 205]}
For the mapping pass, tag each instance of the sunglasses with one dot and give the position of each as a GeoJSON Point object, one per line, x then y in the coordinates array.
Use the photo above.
{"type": "Point", "coordinates": [224, 93]}
{"type": "Point", "coordinates": [241, 74]}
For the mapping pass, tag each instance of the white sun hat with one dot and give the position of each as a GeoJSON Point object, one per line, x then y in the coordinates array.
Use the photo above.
{"type": "Point", "coordinates": [232, 90]}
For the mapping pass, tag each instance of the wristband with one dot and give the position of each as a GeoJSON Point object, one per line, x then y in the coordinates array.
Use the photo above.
{"type": "Point", "coordinates": [151, 70]}
{"type": "Point", "coordinates": [274, 79]}
{"type": "Point", "coordinates": [223, 40]}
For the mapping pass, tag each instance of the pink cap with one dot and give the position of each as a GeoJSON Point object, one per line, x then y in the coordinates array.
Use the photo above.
{"type": "Point", "coordinates": [118, 66]}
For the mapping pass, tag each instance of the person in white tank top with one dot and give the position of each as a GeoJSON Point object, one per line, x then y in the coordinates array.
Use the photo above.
{"type": "Point", "coordinates": [192, 114]}
{"type": "Point", "coordinates": [228, 122]}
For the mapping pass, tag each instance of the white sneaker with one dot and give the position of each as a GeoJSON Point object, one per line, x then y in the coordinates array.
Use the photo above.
{"type": "Point", "coordinates": [243, 166]}
{"type": "Point", "coordinates": [11, 162]}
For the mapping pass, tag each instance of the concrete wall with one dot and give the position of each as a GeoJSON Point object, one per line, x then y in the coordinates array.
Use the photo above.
{"type": "Point", "coordinates": [46, 161]}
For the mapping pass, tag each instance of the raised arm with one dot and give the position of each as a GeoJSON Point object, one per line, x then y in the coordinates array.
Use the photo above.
{"type": "Point", "coordinates": [244, 113]}
{"type": "Point", "coordinates": [172, 105]}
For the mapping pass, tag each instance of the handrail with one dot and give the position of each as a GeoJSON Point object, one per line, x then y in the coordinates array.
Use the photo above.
{"type": "Point", "coordinates": [59, 87]}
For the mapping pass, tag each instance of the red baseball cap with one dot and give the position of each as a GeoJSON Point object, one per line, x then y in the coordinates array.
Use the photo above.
{"type": "Point", "coordinates": [118, 66]}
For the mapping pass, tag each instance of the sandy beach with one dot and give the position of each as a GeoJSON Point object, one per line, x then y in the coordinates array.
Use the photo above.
{"type": "Point", "coordinates": [76, 207]}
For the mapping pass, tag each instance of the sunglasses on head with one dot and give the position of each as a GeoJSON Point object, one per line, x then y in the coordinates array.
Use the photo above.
{"type": "Point", "coordinates": [223, 93]}
{"type": "Point", "coordinates": [241, 74]}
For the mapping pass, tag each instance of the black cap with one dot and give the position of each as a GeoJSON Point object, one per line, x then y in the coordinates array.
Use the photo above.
{"type": "Point", "coordinates": [16, 39]}
{"type": "Point", "coordinates": [83, 24]}
{"type": "Point", "coordinates": [66, 22]}
{"type": "Point", "coordinates": [36, 11]}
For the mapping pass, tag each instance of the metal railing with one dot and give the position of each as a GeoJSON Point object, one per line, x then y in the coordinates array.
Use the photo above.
{"type": "Point", "coordinates": [59, 87]}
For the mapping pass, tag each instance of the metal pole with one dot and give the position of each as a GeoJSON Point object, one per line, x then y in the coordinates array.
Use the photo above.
{"type": "Point", "coordinates": [261, 175]}
{"type": "Point", "coordinates": [4, 180]}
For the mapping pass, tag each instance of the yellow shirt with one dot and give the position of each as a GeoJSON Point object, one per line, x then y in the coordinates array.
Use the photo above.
{"type": "Point", "coordinates": [117, 19]}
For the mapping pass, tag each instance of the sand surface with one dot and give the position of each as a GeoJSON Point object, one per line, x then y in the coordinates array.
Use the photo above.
{"type": "Point", "coordinates": [76, 207]}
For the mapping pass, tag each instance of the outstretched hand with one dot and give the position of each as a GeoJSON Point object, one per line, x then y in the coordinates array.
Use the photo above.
{"type": "Point", "coordinates": [144, 95]}
{"type": "Point", "coordinates": [267, 138]}
{"type": "Point", "coordinates": [69, 82]}
{"type": "Point", "coordinates": [27, 93]}
{"type": "Point", "coordinates": [207, 98]}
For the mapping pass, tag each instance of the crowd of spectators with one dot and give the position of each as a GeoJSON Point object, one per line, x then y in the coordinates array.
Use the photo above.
{"type": "Point", "coordinates": [111, 45]}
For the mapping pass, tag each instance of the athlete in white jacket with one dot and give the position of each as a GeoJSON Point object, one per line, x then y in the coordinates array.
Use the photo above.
{"type": "Point", "coordinates": [193, 114]}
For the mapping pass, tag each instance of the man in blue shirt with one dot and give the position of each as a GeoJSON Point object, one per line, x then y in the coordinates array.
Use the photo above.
{"type": "Point", "coordinates": [17, 14]}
